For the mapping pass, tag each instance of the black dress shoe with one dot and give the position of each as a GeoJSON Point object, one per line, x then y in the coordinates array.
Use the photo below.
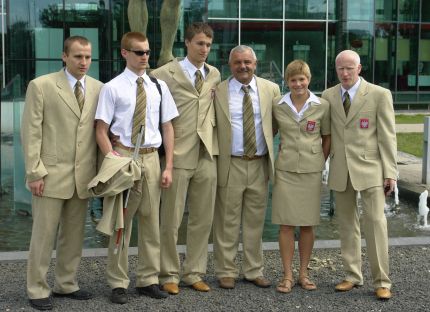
{"type": "Point", "coordinates": [41, 304]}
{"type": "Point", "coordinates": [76, 295]}
{"type": "Point", "coordinates": [152, 291]}
{"type": "Point", "coordinates": [119, 295]}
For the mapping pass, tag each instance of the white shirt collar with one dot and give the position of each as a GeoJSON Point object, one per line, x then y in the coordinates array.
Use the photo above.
{"type": "Point", "coordinates": [191, 69]}
{"type": "Point", "coordinates": [312, 99]}
{"type": "Point", "coordinates": [132, 77]}
{"type": "Point", "coordinates": [72, 80]}
{"type": "Point", "coordinates": [352, 91]}
{"type": "Point", "coordinates": [236, 86]}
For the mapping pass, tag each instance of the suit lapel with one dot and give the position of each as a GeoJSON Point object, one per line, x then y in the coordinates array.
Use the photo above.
{"type": "Point", "coordinates": [336, 103]}
{"type": "Point", "coordinates": [287, 110]}
{"type": "Point", "coordinates": [179, 75]}
{"type": "Point", "coordinates": [66, 94]}
{"type": "Point", "coordinates": [89, 96]}
{"type": "Point", "coordinates": [358, 101]}
{"type": "Point", "coordinates": [263, 97]}
{"type": "Point", "coordinates": [222, 95]}
{"type": "Point", "coordinates": [312, 109]}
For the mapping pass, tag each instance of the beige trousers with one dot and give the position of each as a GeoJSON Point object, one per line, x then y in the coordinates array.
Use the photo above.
{"type": "Point", "coordinates": [49, 215]}
{"type": "Point", "coordinates": [375, 233]}
{"type": "Point", "coordinates": [144, 203]}
{"type": "Point", "coordinates": [196, 187]}
{"type": "Point", "coordinates": [242, 201]}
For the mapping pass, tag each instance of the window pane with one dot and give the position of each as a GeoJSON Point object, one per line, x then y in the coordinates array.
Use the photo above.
{"type": "Point", "coordinates": [385, 10]}
{"type": "Point", "coordinates": [425, 12]}
{"type": "Point", "coordinates": [409, 10]}
{"type": "Point", "coordinates": [266, 40]}
{"type": "Point", "coordinates": [357, 10]}
{"type": "Point", "coordinates": [223, 8]}
{"type": "Point", "coordinates": [225, 38]}
{"type": "Point", "coordinates": [306, 41]}
{"type": "Point", "coordinates": [311, 9]}
{"type": "Point", "coordinates": [384, 60]}
{"type": "Point", "coordinates": [261, 9]}
{"type": "Point", "coordinates": [407, 55]}
{"type": "Point", "coordinates": [424, 59]}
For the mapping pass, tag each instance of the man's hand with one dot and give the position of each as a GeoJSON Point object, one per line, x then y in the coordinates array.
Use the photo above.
{"type": "Point", "coordinates": [389, 185]}
{"type": "Point", "coordinates": [166, 178]}
{"type": "Point", "coordinates": [36, 187]}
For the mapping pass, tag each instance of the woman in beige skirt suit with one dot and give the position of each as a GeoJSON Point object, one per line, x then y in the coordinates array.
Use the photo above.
{"type": "Point", "coordinates": [303, 121]}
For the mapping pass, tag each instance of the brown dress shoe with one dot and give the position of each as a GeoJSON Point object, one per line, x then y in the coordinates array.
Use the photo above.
{"type": "Point", "coordinates": [383, 293]}
{"type": "Point", "coordinates": [260, 281]}
{"type": "Point", "coordinates": [345, 286]}
{"type": "Point", "coordinates": [226, 282]}
{"type": "Point", "coordinates": [201, 286]}
{"type": "Point", "coordinates": [171, 288]}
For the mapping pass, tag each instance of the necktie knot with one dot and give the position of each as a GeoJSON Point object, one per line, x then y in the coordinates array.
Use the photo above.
{"type": "Point", "coordinates": [139, 81]}
{"type": "Point", "coordinates": [246, 89]}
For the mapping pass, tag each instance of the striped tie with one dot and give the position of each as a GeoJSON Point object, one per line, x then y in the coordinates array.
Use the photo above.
{"type": "Point", "coordinates": [139, 115]}
{"type": "Point", "coordinates": [346, 103]}
{"type": "Point", "coordinates": [79, 94]}
{"type": "Point", "coordinates": [198, 84]}
{"type": "Point", "coordinates": [249, 140]}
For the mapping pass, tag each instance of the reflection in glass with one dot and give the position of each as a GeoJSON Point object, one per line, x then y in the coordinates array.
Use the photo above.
{"type": "Point", "coordinates": [304, 40]}
{"type": "Point", "coordinates": [407, 54]}
{"type": "Point", "coordinates": [424, 59]}
{"type": "Point", "coordinates": [266, 40]}
{"type": "Point", "coordinates": [311, 9]}
{"type": "Point", "coordinates": [409, 10]}
{"type": "Point", "coordinates": [358, 10]}
{"type": "Point", "coordinates": [261, 9]}
{"type": "Point", "coordinates": [384, 60]}
{"type": "Point", "coordinates": [385, 10]}
{"type": "Point", "coordinates": [222, 8]}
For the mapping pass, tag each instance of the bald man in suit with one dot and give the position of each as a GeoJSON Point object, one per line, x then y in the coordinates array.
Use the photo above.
{"type": "Point", "coordinates": [362, 159]}
{"type": "Point", "coordinates": [243, 169]}
{"type": "Point", "coordinates": [192, 82]}
{"type": "Point", "coordinates": [60, 155]}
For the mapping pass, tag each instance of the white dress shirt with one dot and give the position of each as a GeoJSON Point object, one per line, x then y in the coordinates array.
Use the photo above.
{"type": "Point", "coordinates": [298, 115]}
{"type": "Point", "coordinates": [352, 91]}
{"type": "Point", "coordinates": [117, 101]}
{"type": "Point", "coordinates": [72, 81]}
{"type": "Point", "coordinates": [190, 70]}
{"type": "Point", "coordinates": [235, 101]}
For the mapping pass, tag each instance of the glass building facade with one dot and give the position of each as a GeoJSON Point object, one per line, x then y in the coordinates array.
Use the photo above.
{"type": "Point", "coordinates": [391, 36]}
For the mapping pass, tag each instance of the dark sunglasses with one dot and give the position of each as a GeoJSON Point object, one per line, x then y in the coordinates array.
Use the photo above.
{"type": "Point", "coordinates": [139, 52]}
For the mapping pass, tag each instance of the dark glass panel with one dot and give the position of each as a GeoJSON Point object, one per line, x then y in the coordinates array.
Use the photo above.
{"type": "Point", "coordinates": [385, 10]}
{"type": "Point", "coordinates": [223, 8]}
{"type": "Point", "coordinates": [424, 59]}
{"type": "Point", "coordinates": [312, 9]}
{"type": "Point", "coordinates": [261, 9]}
{"type": "Point", "coordinates": [409, 10]}
{"type": "Point", "coordinates": [407, 56]}
{"type": "Point", "coordinates": [385, 45]}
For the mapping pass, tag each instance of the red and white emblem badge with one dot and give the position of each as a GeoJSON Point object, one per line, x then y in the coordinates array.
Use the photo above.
{"type": "Point", "coordinates": [364, 123]}
{"type": "Point", "coordinates": [310, 126]}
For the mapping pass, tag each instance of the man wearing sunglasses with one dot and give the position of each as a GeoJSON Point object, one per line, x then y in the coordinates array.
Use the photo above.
{"type": "Point", "coordinates": [126, 103]}
{"type": "Point", "coordinates": [192, 83]}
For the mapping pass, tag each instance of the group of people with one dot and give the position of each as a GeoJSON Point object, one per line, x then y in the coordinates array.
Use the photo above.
{"type": "Point", "coordinates": [219, 157]}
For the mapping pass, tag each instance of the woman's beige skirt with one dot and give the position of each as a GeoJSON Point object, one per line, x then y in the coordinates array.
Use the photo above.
{"type": "Point", "coordinates": [296, 198]}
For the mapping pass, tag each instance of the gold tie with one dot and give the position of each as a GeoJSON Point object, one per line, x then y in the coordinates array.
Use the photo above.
{"type": "Point", "coordinates": [346, 103]}
{"type": "Point", "coordinates": [79, 94]}
{"type": "Point", "coordinates": [249, 139]}
{"type": "Point", "coordinates": [198, 84]}
{"type": "Point", "coordinates": [139, 116]}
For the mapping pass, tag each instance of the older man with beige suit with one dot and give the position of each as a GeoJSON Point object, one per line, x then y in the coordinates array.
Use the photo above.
{"type": "Point", "coordinates": [192, 83]}
{"type": "Point", "coordinates": [60, 155]}
{"type": "Point", "coordinates": [362, 159]}
{"type": "Point", "coordinates": [243, 105]}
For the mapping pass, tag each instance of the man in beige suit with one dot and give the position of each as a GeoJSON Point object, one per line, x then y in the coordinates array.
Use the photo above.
{"type": "Point", "coordinates": [245, 164]}
{"type": "Point", "coordinates": [362, 159]}
{"type": "Point", "coordinates": [60, 159]}
{"type": "Point", "coordinates": [192, 83]}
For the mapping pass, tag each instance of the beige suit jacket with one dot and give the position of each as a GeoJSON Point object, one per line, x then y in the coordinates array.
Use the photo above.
{"type": "Point", "coordinates": [267, 91]}
{"type": "Point", "coordinates": [364, 143]}
{"type": "Point", "coordinates": [301, 149]}
{"type": "Point", "coordinates": [196, 121]}
{"type": "Point", "coordinates": [58, 140]}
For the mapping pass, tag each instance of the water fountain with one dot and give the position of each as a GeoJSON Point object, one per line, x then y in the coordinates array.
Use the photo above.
{"type": "Point", "coordinates": [423, 210]}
